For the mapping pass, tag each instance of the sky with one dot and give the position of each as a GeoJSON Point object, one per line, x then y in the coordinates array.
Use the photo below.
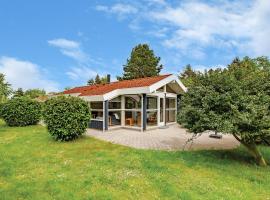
{"type": "Point", "coordinates": [56, 44]}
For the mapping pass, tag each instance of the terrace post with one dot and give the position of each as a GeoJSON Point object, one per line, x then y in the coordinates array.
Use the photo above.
{"type": "Point", "coordinates": [144, 113]}
{"type": "Point", "coordinates": [106, 114]}
{"type": "Point", "coordinates": [178, 100]}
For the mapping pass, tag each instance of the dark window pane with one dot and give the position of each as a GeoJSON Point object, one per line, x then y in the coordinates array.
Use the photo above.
{"type": "Point", "coordinates": [151, 102]}
{"type": "Point", "coordinates": [133, 102]}
{"type": "Point", "coordinates": [152, 118]}
{"type": "Point", "coordinates": [170, 103]}
{"type": "Point", "coordinates": [115, 103]}
{"type": "Point", "coordinates": [133, 118]}
{"type": "Point", "coordinates": [96, 105]}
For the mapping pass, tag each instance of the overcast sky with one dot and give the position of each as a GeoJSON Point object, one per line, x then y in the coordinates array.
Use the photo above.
{"type": "Point", "coordinates": [54, 44]}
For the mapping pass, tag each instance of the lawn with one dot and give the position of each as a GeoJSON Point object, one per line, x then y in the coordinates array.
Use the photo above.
{"type": "Point", "coordinates": [33, 166]}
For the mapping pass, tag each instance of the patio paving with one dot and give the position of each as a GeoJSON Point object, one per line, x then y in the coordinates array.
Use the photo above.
{"type": "Point", "coordinates": [172, 138]}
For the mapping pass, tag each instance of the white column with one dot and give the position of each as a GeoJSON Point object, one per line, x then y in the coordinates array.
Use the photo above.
{"type": "Point", "coordinates": [158, 108]}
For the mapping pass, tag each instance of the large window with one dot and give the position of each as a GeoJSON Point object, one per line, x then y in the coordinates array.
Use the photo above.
{"type": "Point", "coordinates": [133, 118]}
{"type": "Point", "coordinates": [151, 103]}
{"type": "Point", "coordinates": [115, 111]}
{"type": "Point", "coordinates": [133, 102]}
{"type": "Point", "coordinates": [133, 110]}
{"type": "Point", "coordinates": [96, 105]}
{"type": "Point", "coordinates": [96, 110]}
{"type": "Point", "coordinates": [170, 115]}
{"type": "Point", "coordinates": [152, 111]}
{"type": "Point", "coordinates": [114, 118]}
{"type": "Point", "coordinates": [170, 103]}
{"type": "Point", "coordinates": [115, 103]}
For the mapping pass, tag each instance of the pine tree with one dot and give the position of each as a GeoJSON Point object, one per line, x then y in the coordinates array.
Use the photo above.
{"type": "Point", "coordinates": [91, 81]}
{"type": "Point", "coordinates": [142, 63]}
{"type": "Point", "coordinates": [188, 76]}
{"type": "Point", "coordinates": [18, 93]}
{"type": "Point", "coordinates": [97, 79]}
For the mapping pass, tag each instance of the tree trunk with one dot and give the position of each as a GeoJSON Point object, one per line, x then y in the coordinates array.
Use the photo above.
{"type": "Point", "coordinates": [252, 148]}
{"type": "Point", "coordinates": [254, 151]}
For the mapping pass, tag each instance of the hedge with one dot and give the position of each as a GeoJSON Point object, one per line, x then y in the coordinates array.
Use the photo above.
{"type": "Point", "coordinates": [21, 111]}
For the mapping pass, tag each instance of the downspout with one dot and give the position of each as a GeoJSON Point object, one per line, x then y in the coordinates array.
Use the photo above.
{"type": "Point", "coordinates": [144, 112]}
{"type": "Point", "coordinates": [106, 113]}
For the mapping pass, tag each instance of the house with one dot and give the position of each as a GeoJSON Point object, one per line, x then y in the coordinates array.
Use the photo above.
{"type": "Point", "coordinates": [141, 104]}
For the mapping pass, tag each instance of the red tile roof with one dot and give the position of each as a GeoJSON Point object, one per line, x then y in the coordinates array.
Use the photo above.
{"type": "Point", "coordinates": [101, 89]}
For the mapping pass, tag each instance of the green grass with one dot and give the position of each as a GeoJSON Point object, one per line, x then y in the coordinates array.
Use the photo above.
{"type": "Point", "coordinates": [33, 166]}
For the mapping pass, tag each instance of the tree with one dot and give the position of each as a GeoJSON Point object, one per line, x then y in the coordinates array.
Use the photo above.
{"type": "Point", "coordinates": [18, 93]}
{"type": "Point", "coordinates": [67, 88]}
{"type": "Point", "coordinates": [235, 100]}
{"type": "Point", "coordinates": [34, 93]}
{"type": "Point", "coordinates": [91, 82]}
{"type": "Point", "coordinates": [103, 80]}
{"type": "Point", "coordinates": [142, 63]}
{"type": "Point", "coordinates": [5, 89]}
{"type": "Point", "coordinates": [188, 76]}
{"type": "Point", "coordinates": [97, 80]}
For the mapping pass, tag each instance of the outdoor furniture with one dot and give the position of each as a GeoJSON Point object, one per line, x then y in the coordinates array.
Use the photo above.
{"type": "Point", "coordinates": [114, 119]}
{"type": "Point", "coordinates": [152, 119]}
{"type": "Point", "coordinates": [139, 121]}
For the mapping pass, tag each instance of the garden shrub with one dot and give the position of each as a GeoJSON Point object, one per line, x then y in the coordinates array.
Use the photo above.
{"type": "Point", "coordinates": [66, 117]}
{"type": "Point", "coordinates": [21, 111]}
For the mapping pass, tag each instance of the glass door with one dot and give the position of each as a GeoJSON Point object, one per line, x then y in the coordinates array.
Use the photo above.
{"type": "Point", "coordinates": [161, 111]}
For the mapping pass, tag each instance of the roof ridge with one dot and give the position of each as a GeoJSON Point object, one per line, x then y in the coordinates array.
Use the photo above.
{"type": "Point", "coordinates": [103, 84]}
{"type": "Point", "coordinates": [107, 87]}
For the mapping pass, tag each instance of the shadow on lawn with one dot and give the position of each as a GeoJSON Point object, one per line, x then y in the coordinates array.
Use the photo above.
{"type": "Point", "coordinates": [217, 157]}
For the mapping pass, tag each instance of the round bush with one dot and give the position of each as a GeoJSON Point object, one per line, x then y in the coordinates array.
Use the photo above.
{"type": "Point", "coordinates": [21, 111]}
{"type": "Point", "coordinates": [66, 117]}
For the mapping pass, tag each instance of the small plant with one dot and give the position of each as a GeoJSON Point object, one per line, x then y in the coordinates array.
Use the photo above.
{"type": "Point", "coordinates": [66, 117]}
{"type": "Point", "coordinates": [21, 112]}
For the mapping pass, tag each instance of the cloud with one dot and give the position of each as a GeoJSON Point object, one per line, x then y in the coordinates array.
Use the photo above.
{"type": "Point", "coordinates": [64, 43]}
{"type": "Point", "coordinates": [70, 48]}
{"type": "Point", "coordinates": [119, 9]}
{"type": "Point", "coordinates": [196, 28]}
{"type": "Point", "coordinates": [81, 73]}
{"type": "Point", "coordinates": [85, 66]}
{"type": "Point", "coordinates": [25, 74]}
{"type": "Point", "coordinates": [157, 2]}
{"type": "Point", "coordinates": [226, 24]}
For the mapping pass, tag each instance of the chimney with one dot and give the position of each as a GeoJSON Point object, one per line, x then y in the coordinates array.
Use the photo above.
{"type": "Point", "coordinates": [108, 78]}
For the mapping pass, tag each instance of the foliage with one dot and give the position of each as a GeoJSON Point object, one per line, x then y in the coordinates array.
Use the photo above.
{"type": "Point", "coordinates": [97, 80]}
{"type": "Point", "coordinates": [34, 93]}
{"type": "Point", "coordinates": [35, 167]}
{"type": "Point", "coordinates": [189, 76]}
{"type": "Point", "coordinates": [235, 100]}
{"type": "Point", "coordinates": [18, 93]}
{"type": "Point", "coordinates": [66, 117]}
{"type": "Point", "coordinates": [67, 88]}
{"type": "Point", "coordinates": [91, 82]}
{"type": "Point", "coordinates": [21, 111]}
{"type": "Point", "coordinates": [5, 89]}
{"type": "Point", "coordinates": [142, 63]}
